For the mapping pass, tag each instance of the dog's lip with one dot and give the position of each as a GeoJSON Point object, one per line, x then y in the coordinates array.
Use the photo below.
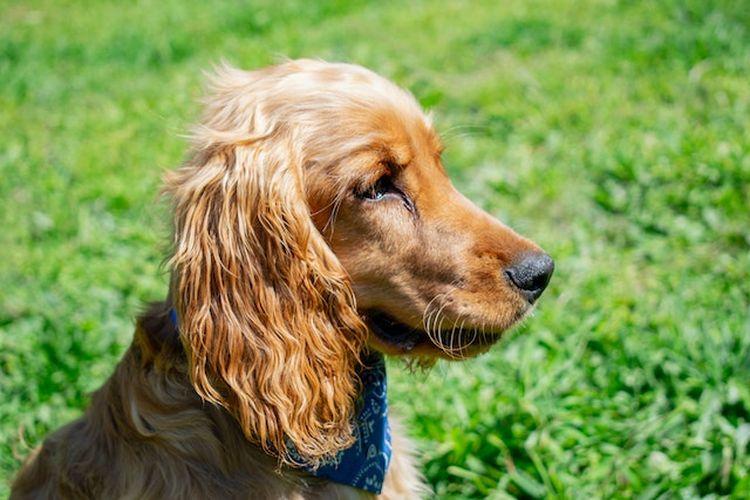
{"type": "Point", "coordinates": [404, 338]}
{"type": "Point", "coordinates": [393, 332]}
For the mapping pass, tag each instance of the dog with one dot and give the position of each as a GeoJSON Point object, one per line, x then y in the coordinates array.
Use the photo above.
{"type": "Point", "coordinates": [315, 230]}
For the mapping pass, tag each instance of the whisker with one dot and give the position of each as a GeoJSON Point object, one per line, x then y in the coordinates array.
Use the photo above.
{"type": "Point", "coordinates": [465, 130]}
{"type": "Point", "coordinates": [331, 222]}
{"type": "Point", "coordinates": [426, 314]}
{"type": "Point", "coordinates": [461, 345]}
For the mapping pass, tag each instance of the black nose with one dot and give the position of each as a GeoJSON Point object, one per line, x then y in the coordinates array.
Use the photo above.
{"type": "Point", "coordinates": [531, 273]}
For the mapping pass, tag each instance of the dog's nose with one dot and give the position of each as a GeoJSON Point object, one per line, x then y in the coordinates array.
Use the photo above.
{"type": "Point", "coordinates": [531, 273]}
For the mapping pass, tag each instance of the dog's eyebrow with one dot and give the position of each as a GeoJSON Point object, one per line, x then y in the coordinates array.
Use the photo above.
{"type": "Point", "coordinates": [393, 165]}
{"type": "Point", "coordinates": [398, 156]}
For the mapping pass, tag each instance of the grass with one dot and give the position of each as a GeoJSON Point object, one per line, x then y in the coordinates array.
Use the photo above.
{"type": "Point", "coordinates": [614, 133]}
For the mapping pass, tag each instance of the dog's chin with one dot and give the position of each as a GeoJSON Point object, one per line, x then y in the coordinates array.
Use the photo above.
{"type": "Point", "coordinates": [390, 336]}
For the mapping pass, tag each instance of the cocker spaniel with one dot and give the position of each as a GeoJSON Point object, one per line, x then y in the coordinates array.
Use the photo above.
{"type": "Point", "coordinates": [315, 230]}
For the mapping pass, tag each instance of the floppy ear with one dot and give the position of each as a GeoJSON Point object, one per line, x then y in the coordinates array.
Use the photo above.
{"type": "Point", "coordinates": [266, 312]}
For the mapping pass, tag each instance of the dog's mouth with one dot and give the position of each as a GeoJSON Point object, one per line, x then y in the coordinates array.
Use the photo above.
{"type": "Point", "coordinates": [393, 332]}
{"type": "Point", "coordinates": [395, 337]}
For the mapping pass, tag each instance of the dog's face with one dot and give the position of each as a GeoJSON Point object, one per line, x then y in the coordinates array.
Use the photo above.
{"type": "Point", "coordinates": [433, 274]}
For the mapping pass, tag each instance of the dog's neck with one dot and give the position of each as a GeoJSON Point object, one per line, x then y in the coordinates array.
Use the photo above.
{"type": "Point", "coordinates": [364, 464]}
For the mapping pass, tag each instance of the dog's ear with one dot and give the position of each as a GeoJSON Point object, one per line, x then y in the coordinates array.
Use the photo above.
{"type": "Point", "coordinates": [266, 312]}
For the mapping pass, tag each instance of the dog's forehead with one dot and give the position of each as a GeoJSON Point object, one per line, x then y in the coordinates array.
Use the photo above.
{"type": "Point", "coordinates": [417, 141]}
{"type": "Point", "coordinates": [343, 110]}
{"type": "Point", "coordinates": [353, 84]}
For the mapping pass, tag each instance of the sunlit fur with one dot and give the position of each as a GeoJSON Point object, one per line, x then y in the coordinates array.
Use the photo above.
{"type": "Point", "coordinates": [266, 313]}
{"type": "Point", "coordinates": [277, 262]}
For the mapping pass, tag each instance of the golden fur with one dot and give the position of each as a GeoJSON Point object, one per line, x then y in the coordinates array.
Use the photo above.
{"type": "Point", "coordinates": [314, 201]}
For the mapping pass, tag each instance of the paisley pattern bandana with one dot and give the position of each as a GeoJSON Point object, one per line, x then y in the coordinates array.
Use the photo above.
{"type": "Point", "coordinates": [364, 464]}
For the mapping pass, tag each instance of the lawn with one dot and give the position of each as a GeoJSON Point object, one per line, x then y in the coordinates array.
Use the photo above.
{"type": "Point", "coordinates": [614, 133]}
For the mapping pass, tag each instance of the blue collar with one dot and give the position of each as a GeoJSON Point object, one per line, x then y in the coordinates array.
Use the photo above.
{"type": "Point", "coordinates": [364, 464]}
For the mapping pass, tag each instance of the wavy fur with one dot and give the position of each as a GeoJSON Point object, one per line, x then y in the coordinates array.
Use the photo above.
{"type": "Point", "coordinates": [266, 312]}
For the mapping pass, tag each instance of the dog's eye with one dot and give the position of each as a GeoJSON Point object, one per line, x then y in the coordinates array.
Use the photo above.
{"type": "Point", "coordinates": [385, 188]}
{"type": "Point", "coordinates": [380, 189]}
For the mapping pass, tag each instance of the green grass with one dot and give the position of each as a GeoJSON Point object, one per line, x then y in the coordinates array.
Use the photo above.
{"type": "Point", "coordinates": [614, 133]}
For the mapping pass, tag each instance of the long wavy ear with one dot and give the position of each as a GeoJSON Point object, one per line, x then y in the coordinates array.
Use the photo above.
{"type": "Point", "coordinates": [266, 312]}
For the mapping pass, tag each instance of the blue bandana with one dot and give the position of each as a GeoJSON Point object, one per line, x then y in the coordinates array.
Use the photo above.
{"type": "Point", "coordinates": [364, 464]}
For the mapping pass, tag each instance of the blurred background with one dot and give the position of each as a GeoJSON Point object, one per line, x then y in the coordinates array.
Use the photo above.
{"type": "Point", "coordinates": [612, 132]}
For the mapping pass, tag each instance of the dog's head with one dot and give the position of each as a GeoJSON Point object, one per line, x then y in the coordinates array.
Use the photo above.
{"type": "Point", "coordinates": [315, 219]}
